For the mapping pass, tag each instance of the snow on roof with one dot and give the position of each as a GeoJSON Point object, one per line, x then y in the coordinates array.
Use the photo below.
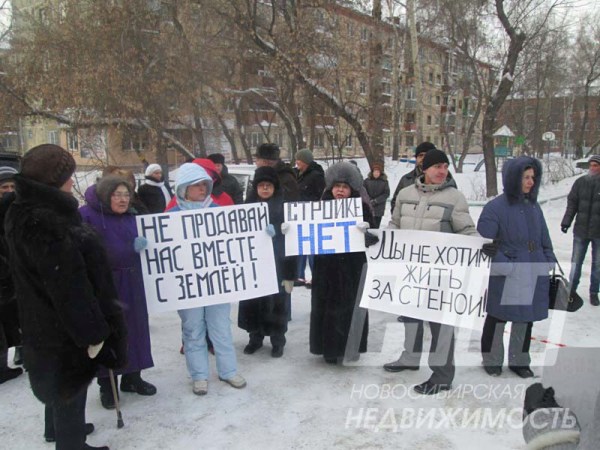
{"type": "Point", "coordinates": [504, 131]}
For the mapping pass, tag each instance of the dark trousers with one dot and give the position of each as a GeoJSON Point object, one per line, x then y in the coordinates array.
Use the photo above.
{"type": "Point", "coordinates": [377, 220]}
{"type": "Point", "coordinates": [492, 343]}
{"type": "Point", "coordinates": [66, 422]}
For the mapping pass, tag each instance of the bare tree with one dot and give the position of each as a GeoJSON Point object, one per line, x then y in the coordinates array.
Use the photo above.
{"type": "Point", "coordinates": [586, 72]}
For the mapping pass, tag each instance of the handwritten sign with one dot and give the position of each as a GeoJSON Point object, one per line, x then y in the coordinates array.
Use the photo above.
{"type": "Point", "coordinates": [206, 256]}
{"type": "Point", "coordinates": [328, 226]}
{"type": "Point", "coordinates": [437, 277]}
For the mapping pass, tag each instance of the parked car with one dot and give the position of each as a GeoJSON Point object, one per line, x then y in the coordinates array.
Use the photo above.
{"type": "Point", "coordinates": [244, 174]}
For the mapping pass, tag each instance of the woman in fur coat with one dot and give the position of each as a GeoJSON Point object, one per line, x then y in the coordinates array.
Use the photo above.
{"type": "Point", "coordinates": [336, 277]}
{"type": "Point", "coordinates": [70, 317]}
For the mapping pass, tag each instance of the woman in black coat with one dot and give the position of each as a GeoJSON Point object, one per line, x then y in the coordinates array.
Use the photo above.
{"type": "Point", "coordinates": [336, 278]}
{"type": "Point", "coordinates": [70, 318]}
{"type": "Point", "coordinates": [268, 316]}
{"type": "Point", "coordinates": [377, 186]}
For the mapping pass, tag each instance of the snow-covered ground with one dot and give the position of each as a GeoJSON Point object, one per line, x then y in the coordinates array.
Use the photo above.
{"type": "Point", "coordinates": [298, 401]}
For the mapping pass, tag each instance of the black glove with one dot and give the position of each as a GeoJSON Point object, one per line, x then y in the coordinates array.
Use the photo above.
{"type": "Point", "coordinates": [564, 229]}
{"type": "Point", "coordinates": [370, 239]}
{"type": "Point", "coordinates": [490, 249]}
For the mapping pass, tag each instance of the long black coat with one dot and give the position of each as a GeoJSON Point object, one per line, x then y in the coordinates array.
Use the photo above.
{"type": "Point", "coordinates": [287, 180]}
{"type": "Point", "coordinates": [335, 286]}
{"type": "Point", "coordinates": [10, 335]}
{"type": "Point", "coordinates": [379, 191]}
{"type": "Point", "coordinates": [65, 292]}
{"type": "Point", "coordinates": [268, 315]}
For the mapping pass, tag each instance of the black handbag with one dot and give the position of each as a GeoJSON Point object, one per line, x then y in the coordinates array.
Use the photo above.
{"type": "Point", "coordinates": [560, 295]}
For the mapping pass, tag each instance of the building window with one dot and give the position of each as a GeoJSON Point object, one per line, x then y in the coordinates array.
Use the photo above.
{"type": "Point", "coordinates": [134, 140]}
{"type": "Point", "coordinates": [319, 140]}
{"type": "Point", "coordinates": [438, 79]}
{"type": "Point", "coordinates": [430, 77]}
{"type": "Point", "coordinates": [386, 88]}
{"type": "Point", "coordinates": [72, 141]}
{"type": "Point", "coordinates": [350, 29]}
{"type": "Point", "coordinates": [429, 120]}
{"type": "Point", "coordinates": [364, 34]}
{"type": "Point", "coordinates": [278, 139]}
{"type": "Point", "coordinates": [438, 100]}
{"type": "Point", "coordinates": [363, 87]}
{"type": "Point", "coordinates": [53, 137]}
{"type": "Point", "coordinates": [363, 60]}
{"type": "Point", "coordinates": [410, 141]}
{"type": "Point", "coordinates": [256, 139]}
{"type": "Point", "coordinates": [29, 134]}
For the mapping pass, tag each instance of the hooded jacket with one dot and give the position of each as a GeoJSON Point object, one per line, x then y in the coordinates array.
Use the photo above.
{"type": "Point", "coordinates": [518, 288]}
{"type": "Point", "coordinates": [118, 232]}
{"type": "Point", "coordinates": [217, 193]}
{"type": "Point", "coordinates": [188, 174]}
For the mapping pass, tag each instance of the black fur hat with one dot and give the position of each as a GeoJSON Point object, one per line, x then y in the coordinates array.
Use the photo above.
{"type": "Point", "coordinates": [267, 151]}
{"type": "Point", "coordinates": [265, 174]}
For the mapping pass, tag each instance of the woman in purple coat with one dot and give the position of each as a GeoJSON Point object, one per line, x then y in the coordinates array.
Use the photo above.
{"type": "Point", "coordinates": [109, 211]}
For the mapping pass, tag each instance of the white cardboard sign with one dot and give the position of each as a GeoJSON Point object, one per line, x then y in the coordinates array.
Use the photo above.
{"type": "Point", "coordinates": [436, 277]}
{"type": "Point", "coordinates": [206, 256]}
{"type": "Point", "coordinates": [324, 227]}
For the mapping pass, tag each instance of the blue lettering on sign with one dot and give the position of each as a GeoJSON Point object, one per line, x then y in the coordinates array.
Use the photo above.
{"type": "Point", "coordinates": [308, 238]}
{"type": "Point", "coordinates": [322, 237]}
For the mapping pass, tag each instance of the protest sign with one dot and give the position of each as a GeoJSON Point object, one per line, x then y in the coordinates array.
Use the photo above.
{"type": "Point", "coordinates": [437, 277]}
{"type": "Point", "coordinates": [206, 256]}
{"type": "Point", "coordinates": [328, 226]}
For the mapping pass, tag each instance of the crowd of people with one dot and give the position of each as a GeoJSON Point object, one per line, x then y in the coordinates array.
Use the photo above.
{"type": "Point", "coordinates": [72, 294]}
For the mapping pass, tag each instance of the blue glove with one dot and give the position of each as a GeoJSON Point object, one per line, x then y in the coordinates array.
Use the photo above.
{"type": "Point", "coordinates": [271, 230]}
{"type": "Point", "coordinates": [140, 243]}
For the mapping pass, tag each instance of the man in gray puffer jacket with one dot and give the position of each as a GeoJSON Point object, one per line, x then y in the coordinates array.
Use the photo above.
{"type": "Point", "coordinates": [584, 202]}
{"type": "Point", "coordinates": [433, 204]}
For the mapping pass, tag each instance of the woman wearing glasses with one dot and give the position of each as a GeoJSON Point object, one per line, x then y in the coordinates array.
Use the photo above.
{"type": "Point", "coordinates": [109, 211]}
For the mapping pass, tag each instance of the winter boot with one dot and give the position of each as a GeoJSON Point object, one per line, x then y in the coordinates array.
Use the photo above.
{"type": "Point", "coordinates": [106, 395]}
{"type": "Point", "coordinates": [132, 382]}
{"type": "Point", "coordinates": [107, 399]}
{"type": "Point", "coordinates": [594, 299]}
{"type": "Point", "coordinates": [277, 351]}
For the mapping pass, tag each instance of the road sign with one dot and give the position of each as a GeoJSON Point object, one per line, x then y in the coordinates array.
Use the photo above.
{"type": "Point", "coordinates": [548, 136]}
